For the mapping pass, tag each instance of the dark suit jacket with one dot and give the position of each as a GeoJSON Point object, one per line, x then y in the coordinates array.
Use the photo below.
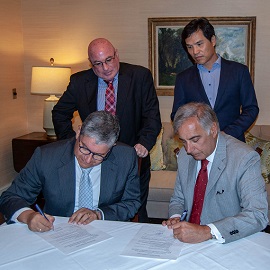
{"type": "Point", "coordinates": [137, 105]}
{"type": "Point", "coordinates": [235, 92]}
{"type": "Point", "coordinates": [52, 171]}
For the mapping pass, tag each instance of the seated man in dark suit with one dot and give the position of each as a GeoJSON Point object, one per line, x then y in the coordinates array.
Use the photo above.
{"type": "Point", "coordinates": [111, 189]}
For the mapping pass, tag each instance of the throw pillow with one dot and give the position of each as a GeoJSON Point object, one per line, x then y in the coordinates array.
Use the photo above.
{"type": "Point", "coordinates": [170, 155]}
{"type": "Point", "coordinates": [156, 154]}
{"type": "Point", "coordinates": [263, 149]}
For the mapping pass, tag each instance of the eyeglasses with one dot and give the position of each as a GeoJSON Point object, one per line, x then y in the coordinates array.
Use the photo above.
{"type": "Point", "coordinates": [86, 151]}
{"type": "Point", "coordinates": [108, 61]}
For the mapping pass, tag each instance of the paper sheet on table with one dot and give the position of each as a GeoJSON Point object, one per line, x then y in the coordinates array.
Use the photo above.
{"type": "Point", "coordinates": [154, 241]}
{"type": "Point", "coordinates": [69, 238]}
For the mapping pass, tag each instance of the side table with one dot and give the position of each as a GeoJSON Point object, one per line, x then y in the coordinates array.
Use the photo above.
{"type": "Point", "coordinates": [24, 146]}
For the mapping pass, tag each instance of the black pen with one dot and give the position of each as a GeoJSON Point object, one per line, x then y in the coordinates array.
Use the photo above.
{"type": "Point", "coordinates": [183, 216]}
{"type": "Point", "coordinates": [40, 211]}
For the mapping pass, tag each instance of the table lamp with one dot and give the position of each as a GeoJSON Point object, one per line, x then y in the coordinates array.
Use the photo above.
{"type": "Point", "coordinates": [51, 81]}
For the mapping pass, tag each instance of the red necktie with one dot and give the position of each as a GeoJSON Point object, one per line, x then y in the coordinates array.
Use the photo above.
{"type": "Point", "coordinates": [199, 192]}
{"type": "Point", "coordinates": [110, 98]}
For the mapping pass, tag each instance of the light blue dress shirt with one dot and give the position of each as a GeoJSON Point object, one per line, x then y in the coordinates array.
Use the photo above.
{"type": "Point", "coordinates": [210, 80]}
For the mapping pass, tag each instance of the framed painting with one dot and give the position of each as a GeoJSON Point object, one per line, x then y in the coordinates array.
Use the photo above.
{"type": "Point", "coordinates": [236, 37]}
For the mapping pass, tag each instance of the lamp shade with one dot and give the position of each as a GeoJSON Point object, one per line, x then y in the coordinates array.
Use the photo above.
{"type": "Point", "coordinates": [49, 80]}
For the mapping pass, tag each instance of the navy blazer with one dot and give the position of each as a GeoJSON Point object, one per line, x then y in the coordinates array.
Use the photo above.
{"type": "Point", "coordinates": [235, 94]}
{"type": "Point", "coordinates": [52, 171]}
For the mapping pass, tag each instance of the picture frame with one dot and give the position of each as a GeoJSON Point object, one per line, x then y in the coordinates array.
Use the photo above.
{"type": "Point", "coordinates": [236, 38]}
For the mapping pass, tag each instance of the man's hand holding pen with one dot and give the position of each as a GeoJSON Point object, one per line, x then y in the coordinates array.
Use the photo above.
{"type": "Point", "coordinates": [174, 220]}
{"type": "Point", "coordinates": [36, 222]}
{"type": "Point", "coordinates": [187, 232]}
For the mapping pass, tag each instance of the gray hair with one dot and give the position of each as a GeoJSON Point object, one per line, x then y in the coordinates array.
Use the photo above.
{"type": "Point", "coordinates": [204, 113]}
{"type": "Point", "coordinates": [102, 126]}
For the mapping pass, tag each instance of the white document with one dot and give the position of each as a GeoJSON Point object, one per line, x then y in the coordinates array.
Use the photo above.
{"type": "Point", "coordinates": [69, 238]}
{"type": "Point", "coordinates": [154, 241]}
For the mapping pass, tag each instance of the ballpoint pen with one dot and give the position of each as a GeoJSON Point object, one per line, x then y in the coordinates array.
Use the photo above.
{"type": "Point", "coordinates": [40, 211]}
{"type": "Point", "coordinates": [183, 216]}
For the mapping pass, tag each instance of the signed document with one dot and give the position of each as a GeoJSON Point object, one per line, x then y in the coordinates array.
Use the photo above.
{"type": "Point", "coordinates": [69, 238]}
{"type": "Point", "coordinates": [154, 241]}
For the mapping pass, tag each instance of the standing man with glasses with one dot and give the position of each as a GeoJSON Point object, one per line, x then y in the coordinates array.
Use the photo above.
{"type": "Point", "coordinates": [124, 90]}
{"type": "Point", "coordinates": [68, 171]}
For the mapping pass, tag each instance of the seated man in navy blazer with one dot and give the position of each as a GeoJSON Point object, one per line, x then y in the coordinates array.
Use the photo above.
{"type": "Point", "coordinates": [219, 188]}
{"type": "Point", "coordinates": [112, 183]}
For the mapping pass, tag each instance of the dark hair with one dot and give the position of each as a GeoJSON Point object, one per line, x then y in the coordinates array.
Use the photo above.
{"type": "Point", "coordinates": [198, 24]}
{"type": "Point", "coordinates": [102, 126]}
{"type": "Point", "coordinates": [204, 113]}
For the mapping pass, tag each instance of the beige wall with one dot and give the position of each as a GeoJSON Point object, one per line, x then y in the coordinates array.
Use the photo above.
{"type": "Point", "coordinates": [62, 30]}
{"type": "Point", "coordinates": [12, 111]}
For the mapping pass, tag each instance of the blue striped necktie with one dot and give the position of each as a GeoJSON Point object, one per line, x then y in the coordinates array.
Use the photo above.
{"type": "Point", "coordinates": [86, 190]}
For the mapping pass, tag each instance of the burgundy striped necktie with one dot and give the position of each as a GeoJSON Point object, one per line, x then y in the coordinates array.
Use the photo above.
{"type": "Point", "coordinates": [199, 192]}
{"type": "Point", "coordinates": [110, 105]}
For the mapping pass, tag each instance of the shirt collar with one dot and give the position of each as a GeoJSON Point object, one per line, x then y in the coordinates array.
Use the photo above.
{"type": "Point", "coordinates": [217, 64]}
{"type": "Point", "coordinates": [115, 79]}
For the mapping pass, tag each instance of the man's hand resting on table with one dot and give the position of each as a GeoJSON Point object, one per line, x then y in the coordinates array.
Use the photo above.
{"type": "Point", "coordinates": [84, 216]}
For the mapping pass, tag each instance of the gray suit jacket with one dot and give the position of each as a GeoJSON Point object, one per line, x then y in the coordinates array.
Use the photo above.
{"type": "Point", "coordinates": [52, 171]}
{"type": "Point", "coordinates": [235, 199]}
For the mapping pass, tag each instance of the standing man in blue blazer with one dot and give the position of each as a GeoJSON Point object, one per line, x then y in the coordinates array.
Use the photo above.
{"type": "Point", "coordinates": [224, 85]}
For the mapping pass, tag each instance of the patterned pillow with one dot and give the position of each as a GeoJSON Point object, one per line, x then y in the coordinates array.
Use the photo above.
{"type": "Point", "coordinates": [263, 148]}
{"type": "Point", "coordinates": [156, 154]}
{"type": "Point", "coordinates": [170, 156]}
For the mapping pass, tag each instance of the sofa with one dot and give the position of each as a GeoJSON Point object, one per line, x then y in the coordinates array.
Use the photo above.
{"type": "Point", "coordinates": [164, 166]}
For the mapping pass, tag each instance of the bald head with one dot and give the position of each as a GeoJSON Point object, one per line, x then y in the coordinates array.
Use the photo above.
{"type": "Point", "coordinates": [104, 58]}
{"type": "Point", "coordinates": [99, 45]}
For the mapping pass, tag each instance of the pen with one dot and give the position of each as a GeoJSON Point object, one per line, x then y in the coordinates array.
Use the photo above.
{"type": "Point", "coordinates": [40, 211]}
{"type": "Point", "coordinates": [183, 216]}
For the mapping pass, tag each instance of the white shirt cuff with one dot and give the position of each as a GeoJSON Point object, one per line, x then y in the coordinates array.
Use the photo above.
{"type": "Point", "coordinates": [216, 233]}
{"type": "Point", "coordinates": [175, 215]}
{"type": "Point", "coordinates": [101, 213]}
{"type": "Point", "coordinates": [14, 218]}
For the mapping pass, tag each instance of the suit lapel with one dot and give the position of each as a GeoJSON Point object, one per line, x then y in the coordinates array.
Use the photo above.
{"type": "Point", "coordinates": [218, 165]}
{"type": "Point", "coordinates": [91, 89]}
{"type": "Point", "coordinates": [67, 178]}
{"type": "Point", "coordinates": [224, 76]}
{"type": "Point", "coordinates": [108, 179]}
{"type": "Point", "coordinates": [123, 90]}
